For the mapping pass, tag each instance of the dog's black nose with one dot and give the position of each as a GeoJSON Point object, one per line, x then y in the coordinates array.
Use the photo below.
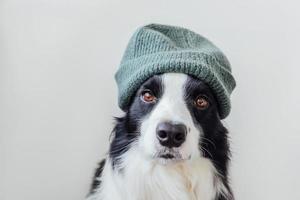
{"type": "Point", "coordinates": [171, 135]}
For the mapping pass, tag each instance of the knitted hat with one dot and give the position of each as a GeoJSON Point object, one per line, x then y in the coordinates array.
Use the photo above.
{"type": "Point", "coordinates": [156, 48]}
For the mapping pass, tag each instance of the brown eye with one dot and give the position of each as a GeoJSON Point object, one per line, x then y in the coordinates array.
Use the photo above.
{"type": "Point", "coordinates": [148, 96]}
{"type": "Point", "coordinates": [201, 102]}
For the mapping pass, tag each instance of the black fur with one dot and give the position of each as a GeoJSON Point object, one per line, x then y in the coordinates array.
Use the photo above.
{"type": "Point", "coordinates": [127, 127]}
{"type": "Point", "coordinates": [98, 173]}
{"type": "Point", "coordinates": [214, 143]}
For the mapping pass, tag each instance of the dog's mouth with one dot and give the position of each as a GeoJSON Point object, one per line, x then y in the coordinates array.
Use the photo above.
{"type": "Point", "coordinates": [169, 156]}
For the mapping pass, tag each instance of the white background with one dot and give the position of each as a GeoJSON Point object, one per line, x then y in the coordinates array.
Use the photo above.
{"type": "Point", "coordinates": [58, 95]}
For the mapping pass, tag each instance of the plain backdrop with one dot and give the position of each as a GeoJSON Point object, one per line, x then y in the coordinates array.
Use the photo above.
{"type": "Point", "coordinates": [58, 95]}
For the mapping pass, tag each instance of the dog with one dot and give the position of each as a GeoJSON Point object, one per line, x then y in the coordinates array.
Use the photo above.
{"type": "Point", "coordinates": [169, 145]}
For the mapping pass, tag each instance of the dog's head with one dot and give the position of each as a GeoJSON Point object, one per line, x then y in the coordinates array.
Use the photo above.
{"type": "Point", "coordinates": [172, 117]}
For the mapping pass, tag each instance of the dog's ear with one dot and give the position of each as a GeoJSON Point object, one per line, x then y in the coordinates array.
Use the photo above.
{"type": "Point", "coordinates": [218, 111]}
{"type": "Point", "coordinates": [214, 98]}
{"type": "Point", "coordinates": [126, 108]}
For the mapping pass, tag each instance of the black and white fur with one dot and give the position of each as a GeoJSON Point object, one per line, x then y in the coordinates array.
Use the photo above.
{"type": "Point", "coordinates": [137, 167]}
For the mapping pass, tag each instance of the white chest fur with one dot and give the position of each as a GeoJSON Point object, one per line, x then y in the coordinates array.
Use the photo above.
{"type": "Point", "coordinates": [142, 179]}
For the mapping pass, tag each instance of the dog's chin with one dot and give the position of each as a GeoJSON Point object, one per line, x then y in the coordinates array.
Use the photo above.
{"type": "Point", "coordinates": [169, 161]}
{"type": "Point", "coordinates": [167, 158]}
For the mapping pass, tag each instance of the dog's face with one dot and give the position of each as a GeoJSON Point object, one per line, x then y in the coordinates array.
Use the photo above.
{"type": "Point", "coordinates": [173, 117]}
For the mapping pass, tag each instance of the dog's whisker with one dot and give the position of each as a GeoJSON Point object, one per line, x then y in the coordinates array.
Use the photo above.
{"type": "Point", "coordinates": [122, 148]}
{"type": "Point", "coordinates": [202, 148]}
{"type": "Point", "coordinates": [211, 142]}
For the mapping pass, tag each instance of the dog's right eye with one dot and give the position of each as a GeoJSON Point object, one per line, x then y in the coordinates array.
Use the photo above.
{"type": "Point", "coordinates": [148, 96]}
{"type": "Point", "coordinates": [201, 102]}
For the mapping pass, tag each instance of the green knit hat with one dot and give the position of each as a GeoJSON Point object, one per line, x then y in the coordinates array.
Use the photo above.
{"type": "Point", "coordinates": [156, 48]}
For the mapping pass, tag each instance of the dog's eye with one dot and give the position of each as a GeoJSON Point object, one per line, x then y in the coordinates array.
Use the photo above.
{"type": "Point", "coordinates": [201, 102]}
{"type": "Point", "coordinates": [148, 96]}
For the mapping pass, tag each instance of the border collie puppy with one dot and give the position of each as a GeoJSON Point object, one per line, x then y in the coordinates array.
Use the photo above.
{"type": "Point", "coordinates": [169, 145]}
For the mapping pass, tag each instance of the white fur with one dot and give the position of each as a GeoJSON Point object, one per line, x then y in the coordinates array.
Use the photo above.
{"type": "Point", "coordinates": [144, 178]}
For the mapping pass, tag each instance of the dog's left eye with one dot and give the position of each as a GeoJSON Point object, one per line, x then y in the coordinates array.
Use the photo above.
{"type": "Point", "coordinates": [148, 96]}
{"type": "Point", "coordinates": [201, 102]}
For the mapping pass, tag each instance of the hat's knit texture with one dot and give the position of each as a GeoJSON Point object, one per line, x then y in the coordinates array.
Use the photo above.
{"type": "Point", "coordinates": [156, 48]}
